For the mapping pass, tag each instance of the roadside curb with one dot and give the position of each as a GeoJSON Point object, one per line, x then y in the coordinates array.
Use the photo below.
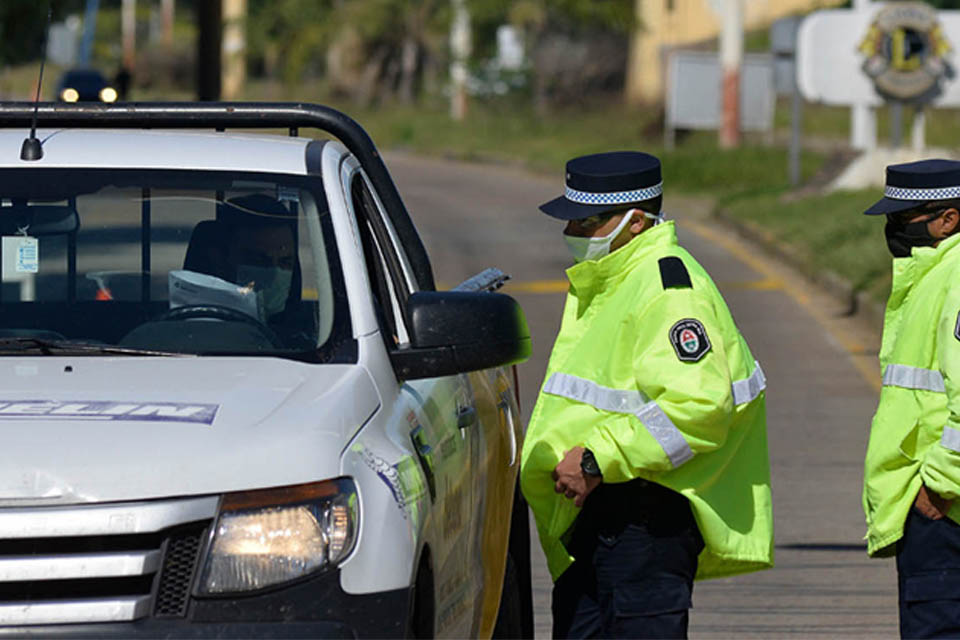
{"type": "Point", "coordinates": [858, 303]}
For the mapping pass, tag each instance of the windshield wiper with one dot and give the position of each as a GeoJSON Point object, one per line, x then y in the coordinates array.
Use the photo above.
{"type": "Point", "coordinates": [69, 347]}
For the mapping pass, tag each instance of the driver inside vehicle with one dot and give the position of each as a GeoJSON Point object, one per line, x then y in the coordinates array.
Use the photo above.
{"type": "Point", "coordinates": [252, 244]}
{"type": "Point", "coordinates": [261, 251]}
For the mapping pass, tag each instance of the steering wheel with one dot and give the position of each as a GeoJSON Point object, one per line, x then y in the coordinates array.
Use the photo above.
{"type": "Point", "coordinates": [225, 314]}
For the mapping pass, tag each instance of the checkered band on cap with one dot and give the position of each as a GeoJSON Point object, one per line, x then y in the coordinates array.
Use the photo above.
{"type": "Point", "coordinates": [614, 197]}
{"type": "Point", "coordinates": [938, 193]}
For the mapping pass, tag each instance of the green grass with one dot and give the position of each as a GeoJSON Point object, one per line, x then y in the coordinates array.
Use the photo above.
{"type": "Point", "coordinates": [821, 121]}
{"type": "Point", "coordinates": [826, 232]}
{"type": "Point", "coordinates": [544, 143]}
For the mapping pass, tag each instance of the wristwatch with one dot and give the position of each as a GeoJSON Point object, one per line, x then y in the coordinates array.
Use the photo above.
{"type": "Point", "coordinates": [588, 464]}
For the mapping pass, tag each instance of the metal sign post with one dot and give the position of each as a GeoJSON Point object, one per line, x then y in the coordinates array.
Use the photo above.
{"type": "Point", "coordinates": [863, 119]}
{"type": "Point", "coordinates": [783, 46]}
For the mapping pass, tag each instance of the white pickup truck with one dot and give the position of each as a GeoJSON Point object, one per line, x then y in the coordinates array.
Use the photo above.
{"type": "Point", "coordinates": [232, 402]}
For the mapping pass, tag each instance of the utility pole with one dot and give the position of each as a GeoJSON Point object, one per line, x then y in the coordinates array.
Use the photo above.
{"type": "Point", "coordinates": [89, 31]}
{"type": "Point", "coordinates": [634, 89]}
{"type": "Point", "coordinates": [234, 47]}
{"type": "Point", "coordinates": [209, 34]}
{"type": "Point", "coordinates": [128, 27]}
{"type": "Point", "coordinates": [167, 11]}
{"type": "Point", "coordinates": [731, 59]}
{"type": "Point", "coordinates": [460, 47]}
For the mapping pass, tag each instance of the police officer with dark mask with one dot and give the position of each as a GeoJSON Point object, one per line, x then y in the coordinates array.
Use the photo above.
{"type": "Point", "coordinates": [912, 470]}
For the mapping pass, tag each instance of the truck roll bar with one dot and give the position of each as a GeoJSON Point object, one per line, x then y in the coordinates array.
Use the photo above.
{"type": "Point", "coordinates": [236, 115]}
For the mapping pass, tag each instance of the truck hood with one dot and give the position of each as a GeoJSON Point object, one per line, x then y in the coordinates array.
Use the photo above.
{"type": "Point", "coordinates": [95, 429]}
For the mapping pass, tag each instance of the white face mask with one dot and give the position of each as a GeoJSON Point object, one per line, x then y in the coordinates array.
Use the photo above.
{"type": "Point", "coordinates": [272, 285]}
{"type": "Point", "coordinates": [598, 247]}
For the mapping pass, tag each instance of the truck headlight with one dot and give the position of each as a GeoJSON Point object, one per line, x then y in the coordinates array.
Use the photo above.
{"type": "Point", "coordinates": [266, 537]}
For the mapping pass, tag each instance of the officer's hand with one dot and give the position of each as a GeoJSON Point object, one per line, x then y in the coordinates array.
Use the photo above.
{"type": "Point", "coordinates": [570, 479]}
{"type": "Point", "coordinates": [931, 505]}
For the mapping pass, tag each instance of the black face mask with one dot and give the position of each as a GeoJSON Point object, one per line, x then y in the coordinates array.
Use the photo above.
{"type": "Point", "coordinates": [902, 237]}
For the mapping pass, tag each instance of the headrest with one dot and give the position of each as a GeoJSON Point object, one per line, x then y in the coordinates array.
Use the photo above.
{"type": "Point", "coordinates": [255, 210]}
{"type": "Point", "coordinates": [205, 253]}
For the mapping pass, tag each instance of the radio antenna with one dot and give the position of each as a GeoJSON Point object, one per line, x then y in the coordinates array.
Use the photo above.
{"type": "Point", "coordinates": [32, 149]}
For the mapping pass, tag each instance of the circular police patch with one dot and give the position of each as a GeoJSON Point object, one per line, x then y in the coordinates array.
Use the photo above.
{"type": "Point", "coordinates": [689, 340]}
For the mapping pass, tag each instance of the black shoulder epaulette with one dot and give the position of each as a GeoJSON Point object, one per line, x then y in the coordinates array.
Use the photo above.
{"type": "Point", "coordinates": [673, 274]}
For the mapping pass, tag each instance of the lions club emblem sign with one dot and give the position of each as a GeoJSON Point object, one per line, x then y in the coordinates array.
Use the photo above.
{"type": "Point", "coordinates": [906, 51]}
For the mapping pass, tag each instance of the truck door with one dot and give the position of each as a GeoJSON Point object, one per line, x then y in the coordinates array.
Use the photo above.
{"type": "Point", "coordinates": [496, 441]}
{"type": "Point", "coordinates": [438, 422]}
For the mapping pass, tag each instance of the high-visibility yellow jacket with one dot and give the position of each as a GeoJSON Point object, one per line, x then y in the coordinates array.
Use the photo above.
{"type": "Point", "coordinates": [650, 373]}
{"type": "Point", "coordinates": [915, 435]}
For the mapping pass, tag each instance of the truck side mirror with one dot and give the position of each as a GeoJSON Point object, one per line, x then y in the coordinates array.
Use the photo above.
{"type": "Point", "coordinates": [456, 332]}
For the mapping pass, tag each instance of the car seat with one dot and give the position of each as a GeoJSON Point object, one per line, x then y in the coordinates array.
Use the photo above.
{"type": "Point", "coordinates": [206, 250]}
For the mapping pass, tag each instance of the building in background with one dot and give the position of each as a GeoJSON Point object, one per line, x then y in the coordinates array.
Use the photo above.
{"type": "Point", "coordinates": [669, 24]}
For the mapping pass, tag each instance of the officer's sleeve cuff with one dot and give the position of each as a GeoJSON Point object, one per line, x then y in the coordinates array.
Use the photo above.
{"type": "Point", "coordinates": [612, 462]}
{"type": "Point", "coordinates": [934, 479]}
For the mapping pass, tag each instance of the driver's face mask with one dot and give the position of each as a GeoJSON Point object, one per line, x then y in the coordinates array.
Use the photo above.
{"type": "Point", "coordinates": [594, 248]}
{"type": "Point", "coordinates": [272, 285]}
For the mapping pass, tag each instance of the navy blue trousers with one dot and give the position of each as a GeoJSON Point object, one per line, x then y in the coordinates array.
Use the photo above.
{"type": "Point", "coordinates": [633, 577]}
{"type": "Point", "coordinates": [928, 566]}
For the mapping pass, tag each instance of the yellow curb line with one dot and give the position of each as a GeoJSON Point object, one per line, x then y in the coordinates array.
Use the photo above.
{"type": "Point", "coordinates": [767, 284]}
{"type": "Point", "coordinates": [537, 286]}
{"type": "Point", "coordinates": [867, 367]}
{"type": "Point", "coordinates": [561, 286]}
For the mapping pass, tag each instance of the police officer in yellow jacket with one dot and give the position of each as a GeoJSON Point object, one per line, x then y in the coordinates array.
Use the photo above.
{"type": "Point", "coordinates": [912, 470]}
{"type": "Point", "coordinates": [645, 460]}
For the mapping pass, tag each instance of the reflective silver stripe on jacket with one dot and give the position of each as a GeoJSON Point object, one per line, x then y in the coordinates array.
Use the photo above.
{"type": "Point", "coordinates": [950, 439]}
{"type": "Point", "coordinates": [901, 375]}
{"type": "Point", "coordinates": [745, 391]}
{"type": "Point", "coordinates": [629, 402]}
{"type": "Point", "coordinates": [636, 403]}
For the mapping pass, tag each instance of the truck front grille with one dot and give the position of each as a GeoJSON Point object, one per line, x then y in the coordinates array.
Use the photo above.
{"type": "Point", "coordinates": [179, 565]}
{"type": "Point", "coordinates": [104, 563]}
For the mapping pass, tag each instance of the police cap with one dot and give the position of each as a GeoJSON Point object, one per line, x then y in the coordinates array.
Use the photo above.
{"type": "Point", "coordinates": [914, 183]}
{"type": "Point", "coordinates": [606, 181]}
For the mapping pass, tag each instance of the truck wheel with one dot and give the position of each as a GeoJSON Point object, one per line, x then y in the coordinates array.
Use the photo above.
{"type": "Point", "coordinates": [510, 616]}
{"type": "Point", "coordinates": [420, 618]}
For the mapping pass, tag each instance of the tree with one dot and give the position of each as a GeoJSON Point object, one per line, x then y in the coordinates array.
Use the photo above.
{"type": "Point", "coordinates": [287, 37]}
{"type": "Point", "coordinates": [400, 40]}
{"type": "Point", "coordinates": [22, 28]}
{"type": "Point", "coordinates": [376, 49]}
{"type": "Point", "coordinates": [574, 19]}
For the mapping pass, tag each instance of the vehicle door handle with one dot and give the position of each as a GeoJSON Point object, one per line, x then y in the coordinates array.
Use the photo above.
{"type": "Point", "coordinates": [466, 417]}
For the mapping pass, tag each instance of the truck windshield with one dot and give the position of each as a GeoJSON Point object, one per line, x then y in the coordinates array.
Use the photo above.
{"type": "Point", "coordinates": [163, 261]}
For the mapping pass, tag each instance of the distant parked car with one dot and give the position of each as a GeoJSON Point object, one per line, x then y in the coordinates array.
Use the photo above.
{"type": "Point", "coordinates": [85, 85]}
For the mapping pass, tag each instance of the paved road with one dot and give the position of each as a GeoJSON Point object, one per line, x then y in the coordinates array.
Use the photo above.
{"type": "Point", "coordinates": [823, 383]}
